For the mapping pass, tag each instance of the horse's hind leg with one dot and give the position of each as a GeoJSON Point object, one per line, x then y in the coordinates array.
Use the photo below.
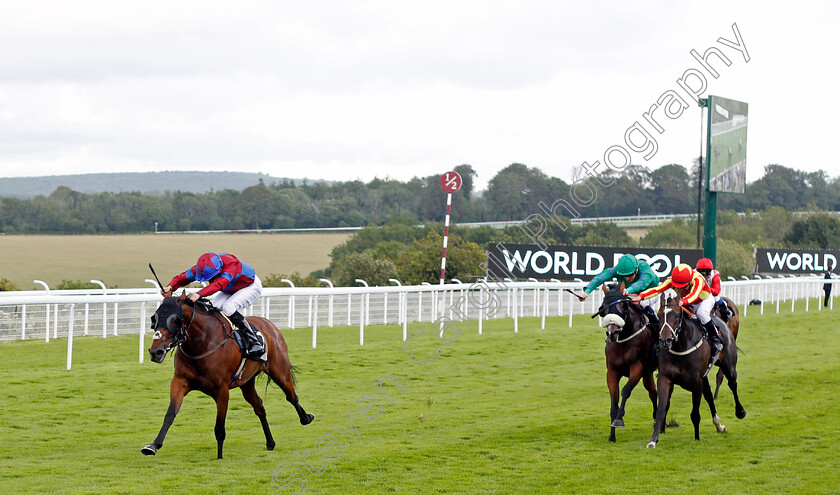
{"type": "Point", "coordinates": [178, 388]}
{"type": "Point", "coordinates": [650, 386]}
{"type": "Point", "coordinates": [707, 394]}
{"type": "Point", "coordinates": [732, 381]}
{"type": "Point", "coordinates": [284, 381]}
{"type": "Point", "coordinates": [718, 381]}
{"type": "Point", "coordinates": [249, 392]}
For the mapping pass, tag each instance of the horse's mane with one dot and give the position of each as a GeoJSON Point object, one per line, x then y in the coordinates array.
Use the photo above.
{"type": "Point", "coordinates": [203, 305]}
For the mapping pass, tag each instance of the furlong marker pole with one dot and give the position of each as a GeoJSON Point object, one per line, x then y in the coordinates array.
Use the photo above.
{"type": "Point", "coordinates": [443, 258]}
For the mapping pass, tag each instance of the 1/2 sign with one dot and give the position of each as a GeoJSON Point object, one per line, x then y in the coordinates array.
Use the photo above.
{"type": "Point", "coordinates": [450, 182]}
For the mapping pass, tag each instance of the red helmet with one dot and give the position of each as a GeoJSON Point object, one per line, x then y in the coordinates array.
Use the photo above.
{"type": "Point", "coordinates": [681, 275]}
{"type": "Point", "coordinates": [705, 264]}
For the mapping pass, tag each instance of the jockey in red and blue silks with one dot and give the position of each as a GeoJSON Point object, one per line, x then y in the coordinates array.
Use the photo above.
{"type": "Point", "coordinates": [236, 286]}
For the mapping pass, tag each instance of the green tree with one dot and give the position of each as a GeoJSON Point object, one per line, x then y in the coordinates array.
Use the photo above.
{"type": "Point", "coordinates": [366, 267]}
{"type": "Point", "coordinates": [275, 280]}
{"type": "Point", "coordinates": [8, 285]}
{"type": "Point", "coordinates": [674, 234]}
{"type": "Point", "coordinates": [734, 259]}
{"type": "Point", "coordinates": [421, 261]}
{"type": "Point", "coordinates": [820, 230]}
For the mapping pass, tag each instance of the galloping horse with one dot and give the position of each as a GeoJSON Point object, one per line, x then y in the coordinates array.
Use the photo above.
{"type": "Point", "coordinates": [683, 359]}
{"type": "Point", "coordinates": [629, 351]}
{"type": "Point", "coordinates": [733, 323]}
{"type": "Point", "coordinates": [204, 362]}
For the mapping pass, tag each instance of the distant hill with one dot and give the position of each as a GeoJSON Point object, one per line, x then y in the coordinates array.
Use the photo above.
{"type": "Point", "coordinates": [145, 182]}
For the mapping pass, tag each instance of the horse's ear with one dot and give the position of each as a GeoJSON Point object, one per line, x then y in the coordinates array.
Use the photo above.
{"type": "Point", "coordinates": [621, 288]}
{"type": "Point", "coordinates": [604, 288]}
{"type": "Point", "coordinates": [183, 296]}
{"type": "Point", "coordinates": [662, 300]}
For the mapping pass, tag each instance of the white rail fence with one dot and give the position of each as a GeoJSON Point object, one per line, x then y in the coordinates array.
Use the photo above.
{"type": "Point", "coordinates": [57, 314]}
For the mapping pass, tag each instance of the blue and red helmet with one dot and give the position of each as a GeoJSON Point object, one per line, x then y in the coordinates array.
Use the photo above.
{"type": "Point", "coordinates": [208, 266]}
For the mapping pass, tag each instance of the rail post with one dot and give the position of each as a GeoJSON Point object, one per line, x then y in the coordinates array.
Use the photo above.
{"type": "Point", "coordinates": [47, 312]}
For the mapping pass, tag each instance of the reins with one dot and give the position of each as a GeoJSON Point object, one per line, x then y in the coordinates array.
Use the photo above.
{"type": "Point", "coordinates": [183, 336]}
{"type": "Point", "coordinates": [675, 332]}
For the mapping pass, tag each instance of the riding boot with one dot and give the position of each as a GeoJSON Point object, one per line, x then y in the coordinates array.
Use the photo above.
{"type": "Point", "coordinates": [254, 349]}
{"type": "Point", "coordinates": [653, 321]}
{"type": "Point", "coordinates": [725, 314]}
{"type": "Point", "coordinates": [715, 342]}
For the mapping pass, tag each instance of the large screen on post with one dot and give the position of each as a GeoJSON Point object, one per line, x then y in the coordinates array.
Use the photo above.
{"type": "Point", "coordinates": [728, 145]}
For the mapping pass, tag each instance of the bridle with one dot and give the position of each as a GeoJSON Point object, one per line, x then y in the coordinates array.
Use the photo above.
{"type": "Point", "coordinates": [676, 331]}
{"type": "Point", "coordinates": [180, 335]}
{"type": "Point", "coordinates": [602, 311]}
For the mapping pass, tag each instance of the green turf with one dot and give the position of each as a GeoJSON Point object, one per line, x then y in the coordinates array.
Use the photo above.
{"type": "Point", "coordinates": [496, 413]}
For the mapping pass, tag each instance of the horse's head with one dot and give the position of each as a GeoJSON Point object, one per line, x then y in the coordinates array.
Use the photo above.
{"type": "Point", "coordinates": [672, 318]}
{"type": "Point", "coordinates": [168, 324]}
{"type": "Point", "coordinates": [613, 311]}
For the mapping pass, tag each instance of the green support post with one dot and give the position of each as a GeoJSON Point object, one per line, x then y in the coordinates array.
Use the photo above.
{"type": "Point", "coordinates": [710, 214]}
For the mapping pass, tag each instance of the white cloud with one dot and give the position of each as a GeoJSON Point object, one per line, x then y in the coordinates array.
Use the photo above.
{"type": "Point", "coordinates": [339, 90]}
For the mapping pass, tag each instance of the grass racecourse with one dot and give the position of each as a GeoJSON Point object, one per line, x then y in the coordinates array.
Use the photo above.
{"type": "Point", "coordinates": [122, 260]}
{"type": "Point", "coordinates": [495, 413]}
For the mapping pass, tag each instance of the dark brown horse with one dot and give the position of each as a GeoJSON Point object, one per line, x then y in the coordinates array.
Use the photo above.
{"type": "Point", "coordinates": [733, 323]}
{"type": "Point", "coordinates": [683, 359]}
{"type": "Point", "coordinates": [629, 352]}
{"type": "Point", "coordinates": [207, 358]}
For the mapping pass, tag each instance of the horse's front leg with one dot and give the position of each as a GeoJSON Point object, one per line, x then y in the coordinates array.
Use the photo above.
{"type": "Point", "coordinates": [664, 387]}
{"type": "Point", "coordinates": [612, 383]}
{"type": "Point", "coordinates": [632, 381]}
{"type": "Point", "coordinates": [222, 397]}
{"type": "Point", "coordinates": [178, 389]}
{"type": "Point", "coordinates": [696, 394]}
{"type": "Point", "coordinates": [650, 386]}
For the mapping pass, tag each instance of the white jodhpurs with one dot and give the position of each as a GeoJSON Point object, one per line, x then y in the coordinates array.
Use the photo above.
{"type": "Point", "coordinates": [703, 309]}
{"type": "Point", "coordinates": [241, 299]}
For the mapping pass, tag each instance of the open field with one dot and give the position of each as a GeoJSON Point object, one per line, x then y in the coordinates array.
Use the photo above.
{"type": "Point", "coordinates": [496, 413]}
{"type": "Point", "coordinates": [122, 260]}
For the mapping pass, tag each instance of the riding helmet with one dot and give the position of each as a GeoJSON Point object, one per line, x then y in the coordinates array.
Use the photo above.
{"type": "Point", "coordinates": [208, 266]}
{"type": "Point", "coordinates": [681, 275]}
{"type": "Point", "coordinates": [626, 266]}
{"type": "Point", "coordinates": [705, 264]}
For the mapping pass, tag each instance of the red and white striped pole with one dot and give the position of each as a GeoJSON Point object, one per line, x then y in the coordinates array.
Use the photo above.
{"type": "Point", "coordinates": [450, 182]}
{"type": "Point", "coordinates": [445, 236]}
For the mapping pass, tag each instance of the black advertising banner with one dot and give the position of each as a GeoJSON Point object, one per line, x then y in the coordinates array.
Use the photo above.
{"type": "Point", "coordinates": [801, 261]}
{"type": "Point", "coordinates": [543, 262]}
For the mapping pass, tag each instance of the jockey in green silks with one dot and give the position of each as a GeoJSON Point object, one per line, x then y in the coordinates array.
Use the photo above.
{"type": "Point", "coordinates": [637, 276]}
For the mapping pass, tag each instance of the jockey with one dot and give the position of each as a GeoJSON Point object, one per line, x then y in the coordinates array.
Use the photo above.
{"type": "Point", "coordinates": [236, 286]}
{"type": "Point", "coordinates": [637, 276]}
{"type": "Point", "coordinates": [707, 269]}
{"type": "Point", "coordinates": [695, 292]}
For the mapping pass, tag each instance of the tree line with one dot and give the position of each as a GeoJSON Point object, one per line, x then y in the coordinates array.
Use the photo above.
{"type": "Point", "coordinates": [513, 193]}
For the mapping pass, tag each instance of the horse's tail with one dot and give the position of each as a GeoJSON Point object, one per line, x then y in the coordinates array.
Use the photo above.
{"type": "Point", "coordinates": [293, 372]}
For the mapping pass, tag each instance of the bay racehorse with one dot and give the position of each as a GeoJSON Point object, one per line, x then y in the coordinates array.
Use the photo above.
{"type": "Point", "coordinates": [206, 359]}
{"type": "Point", "coordinates": [683, 360]}
{"type": "Point", "coordinates": [733, 323]}
{"type": "Point", "coordinates": [628, 350]}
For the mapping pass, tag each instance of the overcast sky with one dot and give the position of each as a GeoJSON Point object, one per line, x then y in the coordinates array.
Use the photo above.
{"type": "Point", "coordinates": [357, 90]}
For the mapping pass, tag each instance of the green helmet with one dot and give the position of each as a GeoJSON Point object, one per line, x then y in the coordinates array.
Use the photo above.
{"type": "Point", "coordinates": [627, 265]}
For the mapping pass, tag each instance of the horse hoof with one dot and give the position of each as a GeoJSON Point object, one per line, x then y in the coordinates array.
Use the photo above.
{"type": "Point", "coordinates": [269, 446]}
{"type": "Point", "coordinates": [612, 439]}
{"type": "Point", "coordinates": [149, 450]}
{"type": "Point", "coordinates": [741, 414]}
{"type": "Point", "coordinates": [618, 423]}
{"type": "Point", "coordinates": [651, 445]}
{"type": "Point", "coordinates": [308, 419]}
